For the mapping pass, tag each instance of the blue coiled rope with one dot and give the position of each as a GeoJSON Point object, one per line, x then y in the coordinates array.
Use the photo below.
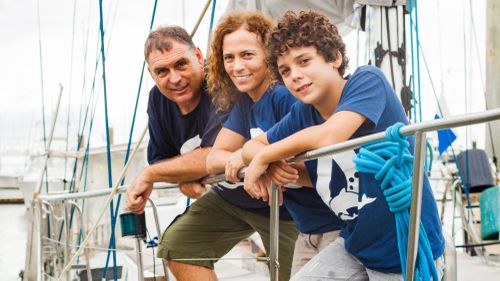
{"type": "Point", "coordinates": [392, 163]}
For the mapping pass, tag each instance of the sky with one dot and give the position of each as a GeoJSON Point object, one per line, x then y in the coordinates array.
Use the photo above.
{"type": "Point", "coordinates": [68, 32]}
{"type": "Point", "coordinates": [69, 47]}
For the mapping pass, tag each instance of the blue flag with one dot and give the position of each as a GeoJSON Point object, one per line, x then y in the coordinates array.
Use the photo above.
{"type": "Point", "coordinates": [445, 138]}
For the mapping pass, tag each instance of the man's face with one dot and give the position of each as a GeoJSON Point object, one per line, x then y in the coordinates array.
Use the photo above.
{"type": "Point", "coordinates": [307, 75]}
{"type": "Point", "coordinates": [178, 73]}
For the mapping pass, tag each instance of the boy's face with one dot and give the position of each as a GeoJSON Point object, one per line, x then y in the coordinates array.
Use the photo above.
{"type": "Point", "coordinates": [307, 75]}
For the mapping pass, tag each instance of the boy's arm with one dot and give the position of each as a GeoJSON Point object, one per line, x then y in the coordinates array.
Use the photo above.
{"type": "Point", "coordinates": [281, 173]}
{"type": "Point", "coordinates": [339, 127]}
{"type": "Point", "coordinates": [225, 155]}
{"type": "Point", "coordinates": [252, 147]}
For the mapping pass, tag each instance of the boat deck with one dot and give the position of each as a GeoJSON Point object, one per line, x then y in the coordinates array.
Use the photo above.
{"type": "Point", "coordinates": [14, 221]}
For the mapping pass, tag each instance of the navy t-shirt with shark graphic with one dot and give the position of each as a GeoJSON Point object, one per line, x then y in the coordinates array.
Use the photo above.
{"type": "Point", "coordinates": [173, 134]}
{"type": "Point", "coordinates": [249, 119]}
{"type": "Point", "coordinates": [356, 198]}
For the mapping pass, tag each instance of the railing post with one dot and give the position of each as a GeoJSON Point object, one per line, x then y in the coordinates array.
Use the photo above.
{"type": "Point", "coordinates": [416, 204]}
{"type": "Point", "coordinates": [158, 231]}
{"type": "Point", "coordinates": [138, 252]}
{"type": "Point", "coordinates": [274, 233]}
{"type": "Point", "coordinates": [83, 227]}
{"type": "Point", "coordinates": [52, 229]}
{"type": "Point", "coordinates": [40, 270]}
{"type": "Point", "coordinates": [67, 249]}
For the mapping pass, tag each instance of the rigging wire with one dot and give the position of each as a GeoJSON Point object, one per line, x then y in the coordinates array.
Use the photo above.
{"type": "Point", "coordinates": [43, 100]}
{"type": "Point", "coordinates": [418, 61]}
{"type": "Point", "coordinates": [40, 52]}
{"type": "Point", "coordinates": [410, 12]}
{"type": "Point", "coordinates": [127, 154]}
{"type": "Point", "coordinates": [478, 59]}
{"type": "Point", "coordinates": [92, 105]}
{"type": "Point", "coordinates": [69, 91]}
{"type": "Point", "coordinates": [467, 171]}
{"type": "Point", "coordinates": [93, 99]}
{"type": "Point", "coordinates": [108, 144]}
{"type": "Point", "coordinates": [84, 79]}
{"type": "Point", "coordinates": [85, 162]}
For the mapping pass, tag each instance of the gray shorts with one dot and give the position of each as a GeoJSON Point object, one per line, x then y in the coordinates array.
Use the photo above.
{"type": "Point", "coordinates": [335, 263]}
{"type": "Point", "coordinates": [309, 245]}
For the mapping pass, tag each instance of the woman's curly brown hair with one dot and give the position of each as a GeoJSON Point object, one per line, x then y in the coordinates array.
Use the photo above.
{"type": "Point", "coordinates": [220, 86]}
{"type": "Point", "coordinates": [307, 28]}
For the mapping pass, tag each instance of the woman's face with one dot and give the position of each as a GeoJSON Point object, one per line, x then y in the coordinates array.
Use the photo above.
{"type": "Point", "coordinates": [245, 62]}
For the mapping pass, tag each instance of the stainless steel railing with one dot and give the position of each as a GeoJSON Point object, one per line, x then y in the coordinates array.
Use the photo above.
{"type": "Point", "coordinates": [418, 129]}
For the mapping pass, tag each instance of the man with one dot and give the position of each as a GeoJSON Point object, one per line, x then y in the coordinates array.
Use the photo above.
{"type": "Point", "coordinates": [183, 126]}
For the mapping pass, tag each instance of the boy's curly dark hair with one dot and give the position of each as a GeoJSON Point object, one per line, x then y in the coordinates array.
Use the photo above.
{"type": "Point", "coordinates": [307, 28]}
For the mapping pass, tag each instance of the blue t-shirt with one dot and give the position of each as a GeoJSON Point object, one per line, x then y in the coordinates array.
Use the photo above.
{"type": "Point", "coordinates": [249, 119]}
{"type": "Point", "coordinates": [370, 233]}
{"type": "Point", "coordinates": [172, 134]}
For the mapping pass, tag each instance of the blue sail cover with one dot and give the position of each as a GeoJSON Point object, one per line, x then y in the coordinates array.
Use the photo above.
{"type": "Point", "coordinates": [445, 138]}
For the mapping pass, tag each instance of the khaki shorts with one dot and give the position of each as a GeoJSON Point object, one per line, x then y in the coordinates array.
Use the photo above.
{"type": "Point", "coordinates": [211, 227]}
{"type": "Point", "coordinates": [309, 245]}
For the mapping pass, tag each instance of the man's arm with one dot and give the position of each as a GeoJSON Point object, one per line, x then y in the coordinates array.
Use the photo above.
{"type": "Point", "coordinates": [187, 167]}
{"type": "Point", "coordinates": [184, 168]}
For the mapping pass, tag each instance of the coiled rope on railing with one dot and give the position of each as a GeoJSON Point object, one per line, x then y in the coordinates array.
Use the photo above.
{"type": "Point", "coordinates": [392, 163]}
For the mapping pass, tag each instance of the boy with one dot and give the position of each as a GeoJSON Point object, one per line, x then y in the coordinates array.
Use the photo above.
{"type": "Point", "coordinates": [308, 54]}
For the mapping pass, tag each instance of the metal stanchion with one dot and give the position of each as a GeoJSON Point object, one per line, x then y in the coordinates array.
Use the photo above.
{"type": "Point", "coordinates": [416, 204]}
{"type": "Point", "coordinates": [158, 231]}
{"type": "Point", "coordinates": [82, 226]}
{"type": "Point", "coordinates": [67, 249]}
{"type": "Point", "coordinates": [275, 232]}
{"type": "Point", "coordinates": [51, 217]}
{"type": "Point", "coordinates": [138, 252]}
{"type": "Point", "coordinates": [134, 225]}
{"type": "Point", "coordinates": [40, 270]}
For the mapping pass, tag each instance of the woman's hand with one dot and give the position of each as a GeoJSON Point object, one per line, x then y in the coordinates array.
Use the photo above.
{"type": "Point", "coordinates": [256, 179]}
{"type": "Point", "coordinates": [233, 166]}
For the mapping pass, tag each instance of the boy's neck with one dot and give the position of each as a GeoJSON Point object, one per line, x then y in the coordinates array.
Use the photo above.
{"type": "Point", "coordinates": [328, 104]}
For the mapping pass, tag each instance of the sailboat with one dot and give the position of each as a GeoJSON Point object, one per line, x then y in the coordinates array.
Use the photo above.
{"type": "Point", "coordinates": [55, 251]}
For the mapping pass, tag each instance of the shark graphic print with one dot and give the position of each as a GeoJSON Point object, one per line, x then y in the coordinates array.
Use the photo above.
{"type": "Point", "coordinates": [191, 144]}
{"type": "Point", "coordinates": [338, 185]}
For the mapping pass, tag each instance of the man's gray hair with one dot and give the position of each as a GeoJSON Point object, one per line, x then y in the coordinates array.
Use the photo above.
{"type": "Point", "coordinates": [161, 39]}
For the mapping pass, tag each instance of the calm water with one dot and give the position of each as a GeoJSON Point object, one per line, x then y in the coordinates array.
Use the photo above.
{"type": "Point", "coordinates": [13, 230]}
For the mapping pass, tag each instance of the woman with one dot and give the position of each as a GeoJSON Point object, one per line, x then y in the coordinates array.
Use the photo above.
{"type": "Point", "coordinates": [238, 77]}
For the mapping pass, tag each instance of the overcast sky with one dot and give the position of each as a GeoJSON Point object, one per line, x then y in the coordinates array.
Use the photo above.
{"type": "Point", "coordinates": [443, 26]}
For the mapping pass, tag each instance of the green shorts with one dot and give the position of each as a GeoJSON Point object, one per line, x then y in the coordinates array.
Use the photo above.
{"type": "Point", "coordinates": [211, 227]}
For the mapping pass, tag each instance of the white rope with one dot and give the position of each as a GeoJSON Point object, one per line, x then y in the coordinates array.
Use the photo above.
{"type": "Point", "coordinates": [151, 255]}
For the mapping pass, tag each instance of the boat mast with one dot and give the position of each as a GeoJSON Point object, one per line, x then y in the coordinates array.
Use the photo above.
{"type": "Point", "coordinates": [493, 70]}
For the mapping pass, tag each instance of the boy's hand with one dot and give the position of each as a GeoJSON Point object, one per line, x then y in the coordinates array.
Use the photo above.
{"type": "Point", "coordinates": [138, 193]}
{"type": "Point", "coordinates": [192, 189]}
{"type": "Point", "coordinates": [256, 179]}
{"type": "Point", "coordinates": [282, 173]}
{"type": "Point", "coordinates": [233, 166]}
